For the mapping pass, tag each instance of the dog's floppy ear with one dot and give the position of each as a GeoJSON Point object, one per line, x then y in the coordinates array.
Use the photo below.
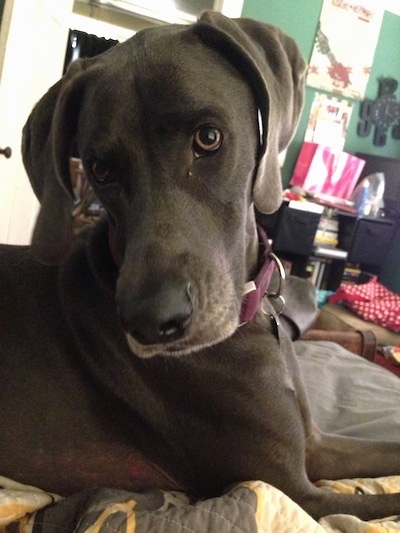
{"type": "Point", "coordinates": [274, 68]}
{"type": "Point", "coordinates": [46, 148]}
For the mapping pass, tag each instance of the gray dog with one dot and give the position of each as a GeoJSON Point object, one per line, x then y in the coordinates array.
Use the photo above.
{"type": "Point", "coordinates": [122, 360]}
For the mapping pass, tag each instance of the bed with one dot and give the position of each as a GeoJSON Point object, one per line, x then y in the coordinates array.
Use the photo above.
{"type": "Point", "coordinates": [348, 394]}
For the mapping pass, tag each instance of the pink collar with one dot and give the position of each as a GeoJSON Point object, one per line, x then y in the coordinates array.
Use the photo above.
{"type": "Point", "coordinates": [254, 290]}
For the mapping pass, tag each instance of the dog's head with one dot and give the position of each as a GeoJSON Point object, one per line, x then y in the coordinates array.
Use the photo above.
{"type": "Point", "coordinates": [179, 130]}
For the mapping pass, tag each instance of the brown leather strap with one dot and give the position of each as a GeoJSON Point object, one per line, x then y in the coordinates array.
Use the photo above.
{"type": "Point", "coordinates": [362, 343]}
{"type": "Point", "coordinates": [369, 344]}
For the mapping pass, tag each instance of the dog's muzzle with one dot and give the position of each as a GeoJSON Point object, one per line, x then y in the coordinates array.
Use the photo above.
{"type": "Point", "coordinates": [161, 317]}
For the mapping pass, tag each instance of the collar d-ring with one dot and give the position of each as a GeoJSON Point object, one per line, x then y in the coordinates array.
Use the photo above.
{"type": "Point", "coordinates": [277, 295]}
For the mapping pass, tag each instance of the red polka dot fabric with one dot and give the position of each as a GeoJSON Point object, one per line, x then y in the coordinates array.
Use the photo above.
{"type": "Point", "coordinates": [372, 301]}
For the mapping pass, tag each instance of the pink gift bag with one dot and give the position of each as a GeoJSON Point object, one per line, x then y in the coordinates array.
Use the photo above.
{"type": "Point", "coordinates": [319, 169]}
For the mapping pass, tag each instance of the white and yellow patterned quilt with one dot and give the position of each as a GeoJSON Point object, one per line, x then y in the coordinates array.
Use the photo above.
{"type": "Point", "coordinates": [251, 507]}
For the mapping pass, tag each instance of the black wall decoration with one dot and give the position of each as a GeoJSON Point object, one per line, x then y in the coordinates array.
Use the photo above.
{"type": "Point", "coordinates": [382, 113]}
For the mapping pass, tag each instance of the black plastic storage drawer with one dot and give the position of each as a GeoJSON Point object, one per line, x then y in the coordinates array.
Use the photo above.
{"type": "Point", "coordinates": [295, 231]}
{"type": "Point", "coordinates": [370, 241]}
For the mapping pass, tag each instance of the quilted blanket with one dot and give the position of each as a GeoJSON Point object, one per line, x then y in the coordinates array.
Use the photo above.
{"type": "Point", "coordinates": [251, 507]}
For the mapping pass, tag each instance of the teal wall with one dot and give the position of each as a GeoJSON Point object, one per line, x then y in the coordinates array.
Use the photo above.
{"type": "Point", "coordinates": [300, 19]}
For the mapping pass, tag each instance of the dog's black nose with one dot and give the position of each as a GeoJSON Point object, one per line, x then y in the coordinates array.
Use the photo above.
{"type": "Point", "coordinates": [160, 316]}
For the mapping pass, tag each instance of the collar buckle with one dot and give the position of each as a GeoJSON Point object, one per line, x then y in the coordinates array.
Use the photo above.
{"type": "Point", "coordinates": [256, 289]}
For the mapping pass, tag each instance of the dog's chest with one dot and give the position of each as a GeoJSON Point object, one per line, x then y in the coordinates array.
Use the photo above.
{"type": "Point", "coordinates": [99, 464]}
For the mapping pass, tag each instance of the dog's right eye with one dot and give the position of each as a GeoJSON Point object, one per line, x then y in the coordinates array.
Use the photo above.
{"type": "Point", "coordinates": [207, 139]}
{"type": "Point", "coordinates": [100, 171]}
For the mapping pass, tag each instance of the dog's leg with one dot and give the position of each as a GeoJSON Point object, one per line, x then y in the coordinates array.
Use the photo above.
{"type": "Point", "coordinates": [319, 503]}
{"type": "Point", "coordinates": [335, 457]}
{"type": "Point", "coordinates": [341, 457]}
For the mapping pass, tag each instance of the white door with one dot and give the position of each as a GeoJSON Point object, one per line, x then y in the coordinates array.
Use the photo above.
{"type": "Point", "coordinates": [33, 37]}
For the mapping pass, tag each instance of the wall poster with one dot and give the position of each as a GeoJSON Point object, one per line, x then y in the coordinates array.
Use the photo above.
{"type": "Point", "coordinates": [344, 47]}
{"type": "Point", "coordinates": [328, 121]}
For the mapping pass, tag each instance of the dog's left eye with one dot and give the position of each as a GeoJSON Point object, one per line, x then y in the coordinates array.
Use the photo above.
{"type": "Point", "coordinates": [100, 171]}
{"type": "Point", "coordinates": [207, 139]}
